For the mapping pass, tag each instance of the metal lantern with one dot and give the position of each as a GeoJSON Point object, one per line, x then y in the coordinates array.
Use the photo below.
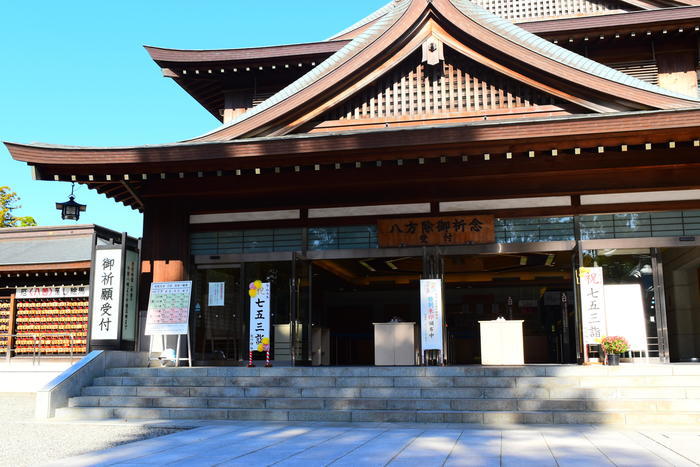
{"type": "Point", "coordinates": [70, 209]}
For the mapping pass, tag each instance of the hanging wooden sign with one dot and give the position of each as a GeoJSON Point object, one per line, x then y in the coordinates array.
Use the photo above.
{"type": "Point", "coordinates": [453, 230]}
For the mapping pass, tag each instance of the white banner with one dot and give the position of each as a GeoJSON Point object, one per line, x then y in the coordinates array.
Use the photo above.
{"type": "Point", "coordinates": [431, 314]}
{"type": "Point", "coordinates": [53, 292]}
{"type": "Point", "coordinates": [625, 314]}
{"type": "Point", "coordinates": [259, 316]}
{"type": "Point", "coordinates": [106, 294]}
{"type": "Point", "coordinates": [131, 277]}
{"type": "Point", "coordinates": [216, 294]}
{"type": "Point", "coordinates": [169, 308]}
{"type": "Point", "coordinates": [592, 305]}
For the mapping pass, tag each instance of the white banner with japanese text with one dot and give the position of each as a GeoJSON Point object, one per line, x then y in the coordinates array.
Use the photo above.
{"type": "Point", "coordinates": [431, 314]}
{"type": "Point", "coordinates": [259, 316]}
{"type": "Point", "coordinates": [169, 308]}
{"type": "Point", "coordinates": [131, 276]}
{"type": "Point", "coordinates": [106, 294]}
{"type": "Point", "coordinates": [53, 292]}
{"type": "Point", "coordinates": [592, 305]}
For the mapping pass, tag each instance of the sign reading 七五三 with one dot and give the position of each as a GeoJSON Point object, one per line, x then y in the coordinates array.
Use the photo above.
{"type": "Point", "coordinates": [453, 230]}
{"type": "Point", "coordinates": [106, 294]}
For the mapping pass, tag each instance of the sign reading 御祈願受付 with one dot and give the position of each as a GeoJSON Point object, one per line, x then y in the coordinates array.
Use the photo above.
{"type": "Point", "coordinates": [454, 230]}
{"type": "Point", "coordinates": [169, 308]}
{"type": "Point", "coordinates": [106, 294]}
{"type": "Point", "coordinates": [259, 316]}
{"type": "Point", "coordinates": [592, 304]}
{"type": "Point", "coordinates": [431, 314]}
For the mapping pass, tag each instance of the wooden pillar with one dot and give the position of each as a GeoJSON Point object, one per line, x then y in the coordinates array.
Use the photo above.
{"type": "Point", "coordinates": [677, 64]}
{"type": "Point", "coordinates": [165, 244]}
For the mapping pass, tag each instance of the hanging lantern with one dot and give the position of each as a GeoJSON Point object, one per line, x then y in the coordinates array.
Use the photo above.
{"type": "Point", "coordinates": [70, 209]}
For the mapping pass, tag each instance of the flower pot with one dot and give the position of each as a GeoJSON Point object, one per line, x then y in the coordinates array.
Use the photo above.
{"type": "Point", "coordinates": [614, 359]}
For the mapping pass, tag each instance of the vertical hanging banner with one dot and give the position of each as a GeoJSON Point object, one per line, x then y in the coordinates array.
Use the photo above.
{"type": "Point", "coordinates": [259, 316]}
{"type": "Point", "coordinates": [106, 294]}
{"type": "Point", "coordinates": [131, 275]}
{"type": "Point", "coordinates": [592, 304]}
{"type": "Point", "coordinates": [431, 314]}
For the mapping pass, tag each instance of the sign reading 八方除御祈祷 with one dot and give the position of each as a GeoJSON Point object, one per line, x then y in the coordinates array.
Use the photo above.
{"type": "Point", "coordinates": [453, 230]}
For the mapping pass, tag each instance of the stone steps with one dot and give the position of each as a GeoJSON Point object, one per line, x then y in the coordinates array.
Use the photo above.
{"type": "Point", "coordinates": [426, 416]}
{"type": "Point", "coordinates": [654, 394]}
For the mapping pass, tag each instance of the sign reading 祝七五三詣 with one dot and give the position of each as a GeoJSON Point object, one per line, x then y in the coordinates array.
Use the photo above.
{"type": "Point", "coordinates": [592, 305]}
{"type": "Point", "coordinates": [169, 308]}
{"type": "Point", "coordinates": [453, 230]}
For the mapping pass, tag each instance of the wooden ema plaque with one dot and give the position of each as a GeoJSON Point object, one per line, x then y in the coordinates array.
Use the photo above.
{"type": "Point", "coordinates": [452, 230]}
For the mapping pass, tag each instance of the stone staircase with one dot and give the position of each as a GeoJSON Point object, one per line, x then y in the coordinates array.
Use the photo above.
{"type": "Point", "coordinates": [542, 394]}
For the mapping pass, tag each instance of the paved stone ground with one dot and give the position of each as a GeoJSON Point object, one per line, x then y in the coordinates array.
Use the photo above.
{"type": "Point", "coordinates": [316, 444]}
{"type": "Point", "coordinates": [25, 441]}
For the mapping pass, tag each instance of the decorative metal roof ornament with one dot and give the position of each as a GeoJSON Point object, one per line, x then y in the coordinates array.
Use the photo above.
{"type": "Point", "coordinates": [433, 52]}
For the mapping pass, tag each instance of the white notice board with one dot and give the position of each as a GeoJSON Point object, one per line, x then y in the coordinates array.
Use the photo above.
{"type": "Point", "coordinates": [625, 314]}
{"type": "Point", "coordinates": [169, 308]}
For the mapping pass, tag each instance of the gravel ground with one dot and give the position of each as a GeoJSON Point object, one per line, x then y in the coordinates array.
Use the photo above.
{"type": "Point", "coordinates": [26, 442]}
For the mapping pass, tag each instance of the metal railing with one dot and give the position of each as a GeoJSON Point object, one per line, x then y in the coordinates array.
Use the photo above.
{"type": "Point", "coordinates": [37, 344]}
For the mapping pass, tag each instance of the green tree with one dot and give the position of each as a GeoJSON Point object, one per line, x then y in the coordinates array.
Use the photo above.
{"type": "Point", "coordinates": [8, 202]}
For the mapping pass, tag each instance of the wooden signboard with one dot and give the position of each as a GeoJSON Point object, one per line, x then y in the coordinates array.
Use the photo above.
{"type": "Point", "coordinates": [452, 230]}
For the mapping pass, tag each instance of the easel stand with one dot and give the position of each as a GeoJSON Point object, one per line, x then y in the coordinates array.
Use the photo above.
{"type": "Point", "coordinates": [177, 348]}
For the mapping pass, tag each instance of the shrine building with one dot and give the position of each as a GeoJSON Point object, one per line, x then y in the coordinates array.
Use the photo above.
{"type": "Point", "coordinates": [498, 146]}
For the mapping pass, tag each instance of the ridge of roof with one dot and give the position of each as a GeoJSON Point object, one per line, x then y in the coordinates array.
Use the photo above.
{"type": "Point", "coordinates": [367, 19]}
{"type": "Point", "coordinates": [543, 47]}
{"type": "Point", "coordinates": [330, 64]}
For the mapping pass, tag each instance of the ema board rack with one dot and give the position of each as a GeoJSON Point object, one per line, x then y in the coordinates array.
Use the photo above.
{"type": "Point", "coordinates": [4, 323]}
{"type": "Point", "coordinates": [53, 321]}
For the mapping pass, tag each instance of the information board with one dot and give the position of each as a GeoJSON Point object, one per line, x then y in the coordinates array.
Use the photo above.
{"type": "Point", "coordinates": [259, 316]}
{"type": "Point", "coordinates": [431, 314]}
{"type": "Point", "coordinates": [168, 308]}
{"type": "Point", "coordinates": [216, 294]}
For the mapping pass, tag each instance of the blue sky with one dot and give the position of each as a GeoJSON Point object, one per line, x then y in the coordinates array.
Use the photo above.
{"type": "Point", "coordinates": [75, 72]}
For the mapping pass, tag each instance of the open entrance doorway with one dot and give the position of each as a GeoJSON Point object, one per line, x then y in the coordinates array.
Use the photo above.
{"type": "Point", "coordinates": [347, 296]}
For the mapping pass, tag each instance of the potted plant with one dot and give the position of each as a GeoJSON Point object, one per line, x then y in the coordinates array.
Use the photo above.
{"type": "Point", "coordinates": [613, 347]}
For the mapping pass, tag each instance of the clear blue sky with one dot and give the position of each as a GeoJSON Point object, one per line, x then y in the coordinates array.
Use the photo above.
{"type": "Point", "coordinates": [74, 72]}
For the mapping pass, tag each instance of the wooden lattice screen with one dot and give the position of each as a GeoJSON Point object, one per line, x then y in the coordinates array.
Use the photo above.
{"type": "Point", "coordinates": [457, 86]}
{"type": "Point", "coordinates": [538, 9]}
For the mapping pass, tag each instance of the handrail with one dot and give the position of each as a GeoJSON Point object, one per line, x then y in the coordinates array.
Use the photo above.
{"type": "Point", "coordinates": [37, 339]}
